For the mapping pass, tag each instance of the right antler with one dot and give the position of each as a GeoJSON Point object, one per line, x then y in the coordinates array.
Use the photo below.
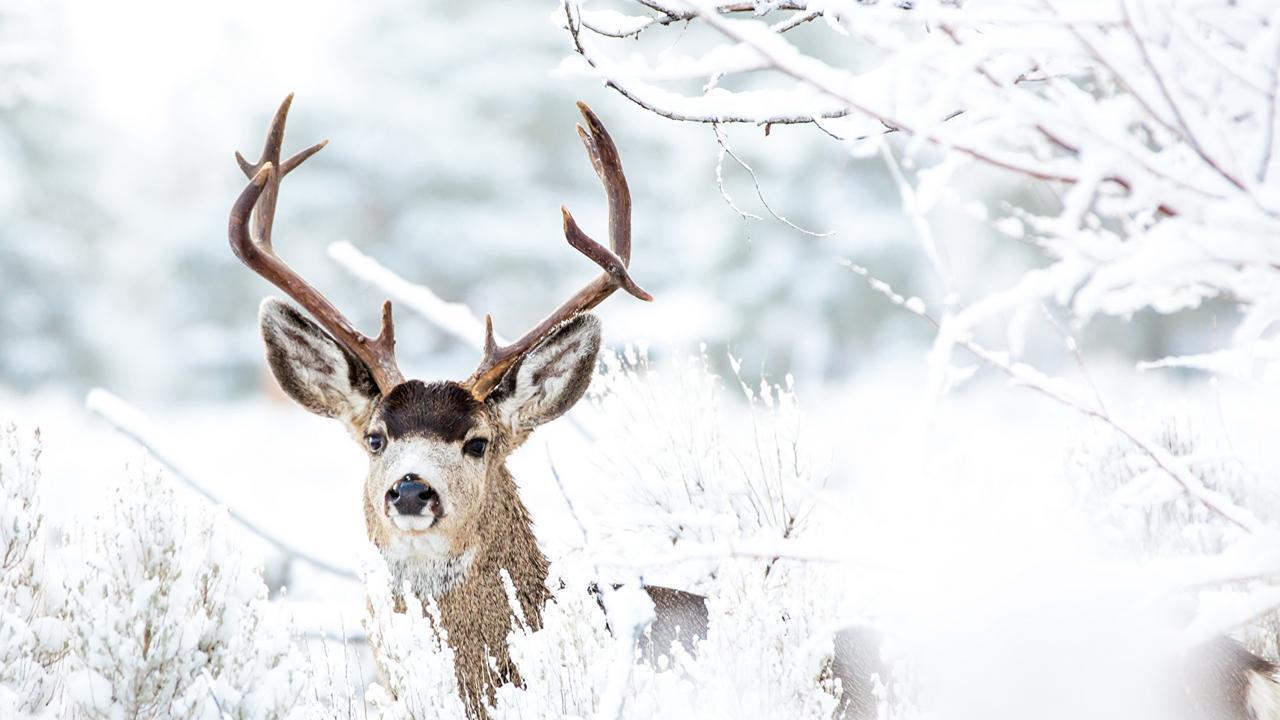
{"type": "Point", "coordinates": [259, 201]}
{"type": "Point", "coordinates": [604, 158]}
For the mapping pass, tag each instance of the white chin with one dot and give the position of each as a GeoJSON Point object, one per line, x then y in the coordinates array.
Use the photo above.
{"type": "Point", "coordinates": [413, 523]}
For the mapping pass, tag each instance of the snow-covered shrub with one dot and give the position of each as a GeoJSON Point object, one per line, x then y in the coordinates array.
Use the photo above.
{"type": "Point", "coordinates": [410, 650]}
{"type": "Point", "coordinates": [767, 645]}
{"type": "Point", "coordinates": [32, 636]}
{"type": "Point", "coordinates": [1146, 509]}
{"type": "Point", "coordinates": [686, 464]}
{"type": "Point", "coordinates": [1150, 517]}
{"type": "Point", "coordinates": [765, 656]}
{"type": "Point", "coordinates": [166, 621]}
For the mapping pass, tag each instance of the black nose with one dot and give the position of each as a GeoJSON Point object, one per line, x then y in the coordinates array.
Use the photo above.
{"type": "Point", "coordinates": [410, 495]}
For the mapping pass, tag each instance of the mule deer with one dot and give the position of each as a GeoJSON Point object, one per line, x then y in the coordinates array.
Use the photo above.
{"type": "Point", "coordinates": [439, 501]}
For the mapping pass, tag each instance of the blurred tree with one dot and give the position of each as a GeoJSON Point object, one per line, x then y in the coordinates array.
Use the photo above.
{"type": "Point", "coordinates": [49, 240]}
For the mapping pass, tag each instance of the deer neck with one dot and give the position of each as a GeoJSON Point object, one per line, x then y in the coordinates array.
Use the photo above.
{"type": "Point", "coordinates": [503, 541]}
{"type": "Point", "coordinates": [476, 612]}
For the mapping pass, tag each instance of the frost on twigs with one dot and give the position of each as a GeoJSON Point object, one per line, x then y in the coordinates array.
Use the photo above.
{"type": "Point", "coordinates": [1152, 125]}
{"type": "Point", "coordinates": [1149, 512]}
{"type": "Point", "coordinates": [145, 611]}
{"type": "Point", "coordinates": [688, 465]}
{"type": "Point", "coordinates": [165, 620]}
{"type": "Point", "coordinates": [32, 633]}
{"type": "Point", "coordinates": [410, 649]}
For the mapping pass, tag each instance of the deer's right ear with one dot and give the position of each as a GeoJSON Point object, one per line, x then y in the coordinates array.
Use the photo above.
{"type": "Point", "coordinates": [313, 369]}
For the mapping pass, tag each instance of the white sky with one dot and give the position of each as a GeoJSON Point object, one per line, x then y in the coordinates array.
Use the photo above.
{"type": "Point", "coordinates": [137, 54]}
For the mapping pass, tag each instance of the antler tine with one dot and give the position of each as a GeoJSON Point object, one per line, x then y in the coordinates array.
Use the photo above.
{"type": "Point", "coordinates": [614, 260]}
{"type": "Point", "coordinates": [258, 201]}
{"type": "Point", "coordinates": [266, 209]}
{"type": "Point", "coordinates": [608, 165]}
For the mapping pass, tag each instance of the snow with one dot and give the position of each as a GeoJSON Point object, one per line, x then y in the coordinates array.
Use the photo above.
{"type": "Point", "coordinates": [930, 546]}
{"type": "Point", "coordinates": [1025, 422]}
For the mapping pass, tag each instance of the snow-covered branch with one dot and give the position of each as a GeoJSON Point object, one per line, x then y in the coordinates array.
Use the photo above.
{"type": "Point", "coordinates": [1155, 122]}
{"type": "Point", "coordinates": [131, 423]}
{"type": "Point", "coordinates": [1054, 389]}
{"type": "Point", "coordinates": [453, 318]}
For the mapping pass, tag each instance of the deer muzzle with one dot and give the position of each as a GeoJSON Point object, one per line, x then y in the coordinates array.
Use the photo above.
{"type": "Point", "coordinates": [411, 501]}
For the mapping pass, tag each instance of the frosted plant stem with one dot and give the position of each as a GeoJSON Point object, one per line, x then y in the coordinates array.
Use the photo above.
{"type": "Point", "coordinates": [128, 421]}
{"type": "Point", "coordinates": [755, 181]}
{"type": "Point", "coordinates": [614, 697]}
{"type": "Point", "coordinates": [1025, 375]}
{"type": "Point", "coordinates": [453, 318]}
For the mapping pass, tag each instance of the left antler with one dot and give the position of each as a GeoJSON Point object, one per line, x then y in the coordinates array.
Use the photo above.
{"type": "Point", "coordinates": [258, 200]}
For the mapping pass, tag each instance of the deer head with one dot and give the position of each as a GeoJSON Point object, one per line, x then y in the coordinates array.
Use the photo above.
{"type": "Point", "coordinates": [437, 487]}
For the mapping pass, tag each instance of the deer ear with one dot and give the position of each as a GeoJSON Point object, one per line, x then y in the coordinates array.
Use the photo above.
{"type": "Point", "coordinates": [313, 369]}
{"type": "Point", "coordinates": [551, 378]}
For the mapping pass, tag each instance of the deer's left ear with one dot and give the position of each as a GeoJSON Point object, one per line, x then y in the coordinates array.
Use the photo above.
{"type": "Point", "coordinates": [550, 379]}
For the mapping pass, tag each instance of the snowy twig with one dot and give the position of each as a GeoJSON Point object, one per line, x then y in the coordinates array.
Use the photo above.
{"type": "Point", "coordinates": [451, 317]}
{"type": "Point", "coordinates": [755, 181]}
{"type": "Point", "coordinates": [629, 612]}
{"type": "Point", "coordinates": [611, 24]}
{"type": "Point", "coordinates": [1024, 375]}
{"type": "Point", "coordinates": [654, 101]}
{"type": "Point", "coordinates": [131, 423]}
{"type": "Point", "coordinates": [770, 549]}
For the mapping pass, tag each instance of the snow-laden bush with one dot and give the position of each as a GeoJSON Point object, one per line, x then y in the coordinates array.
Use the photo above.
{"type": "Point", "coordinates": [1146, 510]}
{"type": "Point", "coordinates": [766, 655]}
{"type": "Point", "coordinates": [1148, 517]}
{"type": "Point", "coordinates": [146, 611]}
{"type": "Point", "coordinates": [410, 649]}
{"type": "Point", "coordinates": [32, 635]}
{"type": "Point", "coordinates": [686, 465]}
{"type": "Point", "coordinates": [166, 620]}
{"type": "Point", "coordinates": [767, 647]}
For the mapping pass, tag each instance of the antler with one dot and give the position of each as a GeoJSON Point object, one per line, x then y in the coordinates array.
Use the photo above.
{"type": "Point", "coordinates": [258, 200]}
{"type": "Point", "coordinates": [604, 158]}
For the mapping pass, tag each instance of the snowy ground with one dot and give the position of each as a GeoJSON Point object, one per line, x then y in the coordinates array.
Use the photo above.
{"type": "Point", "coordinates": [987, 514]}
{"type": "Point", "coordinates": [1061, 188]}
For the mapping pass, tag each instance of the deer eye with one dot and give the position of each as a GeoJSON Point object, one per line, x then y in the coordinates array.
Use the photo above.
{"type": "Point", "coordinates": [376, 441]}
{"type": "Point", "coordinates": [475, 447]}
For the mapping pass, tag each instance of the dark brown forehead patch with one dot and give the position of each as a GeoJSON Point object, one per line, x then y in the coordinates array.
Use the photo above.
{"type": "Point", "coordinates": [439, 409]}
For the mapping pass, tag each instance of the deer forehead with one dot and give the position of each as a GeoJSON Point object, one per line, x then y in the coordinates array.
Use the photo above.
{"type": "Point", "coordinates": [439, 411]}
{"type": "Point", "coordinates": [436, 462]}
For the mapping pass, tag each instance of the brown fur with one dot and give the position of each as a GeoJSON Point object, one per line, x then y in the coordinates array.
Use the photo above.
{"type": "Point", "coordinates": [476, 614]}
{"type": "Point", "coordinates": [1216, 681]}
{"type": "Point", "coordinates": [439, 409]}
